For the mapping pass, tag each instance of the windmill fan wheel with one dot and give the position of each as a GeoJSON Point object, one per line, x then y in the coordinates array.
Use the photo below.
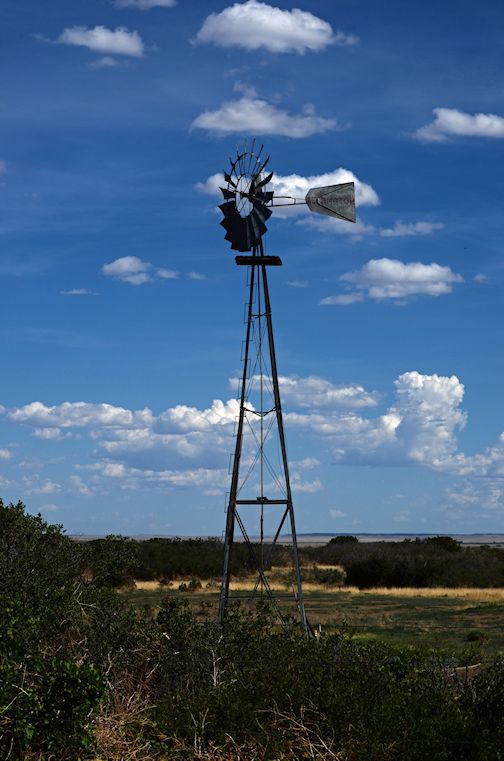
{"type": "Point", "coordinates": [245, 206]}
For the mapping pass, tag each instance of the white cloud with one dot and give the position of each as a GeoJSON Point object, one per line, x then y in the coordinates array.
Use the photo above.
{"type": "Point", "coordinates": [79, 292]}
{"type": "Point", "coordinates": [165, 274]}
{"type": "Point", "coordinates": [316, 392]}
{"type": "Point", "coordinates": [449, 122]}
{"type": "Point", "coordinates": [297, 283]}
{"type": "Point", "coordinates": [78, 415]}
{"type": "Point", "coordinates": [184, 419]}
{"type": "Point", "coordinates": [106, 62]}
{"type": "Point", "coordinates": [402, 516]}
{"type": "Point", "coordinates": [392, 279]}
{"type": "Point", "coordinates": [360, 229]}
{"type": "Point", "coordinates": [117, 41]}
{"type": "Point", "coordinates": [196, 276]}
{"type": "Point", "coordinates": [306, 487]}
{"type": "Point", "coordinates": [413, 228]}
{"type": "Point", "coordinates": [77, 484]}
{"type": "Point", "coordinates": [342, 300]}
{"type": "Point", "coordinates": [419, 428]}
{"type": "Point", "coordinates": [480, 278]}
{"type": "Point", "coordinates": [297, 186]}
{"type": "Point", "coordinates": [50, 508]}
{"type": "Point", "coordinates": [253, 25]}
{"type": "Point", "coordinates": [54, 434]}
{"type": "Point", "coordinates": [145, 5]}
{"type": "Point", "coordinates": [3, 166]}
{"type": "Point", "coordinates": [5, 454]}
{"type": "Point", "coordinates": [252, 115]}
{"type": "Point", "coordinates": [319, 392]}
{"type": "Point", "coordinates": [308, 463]}
{"type": "Point", "coordinates": [33, 486]}
{"type": "Point", "coordinates": [135, 271]}
{"type": "Point", "coordinates": [337, 514]}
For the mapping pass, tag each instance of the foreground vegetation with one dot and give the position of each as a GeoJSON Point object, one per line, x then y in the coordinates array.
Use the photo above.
{"type": "Point", "coordinates": [84, 675]}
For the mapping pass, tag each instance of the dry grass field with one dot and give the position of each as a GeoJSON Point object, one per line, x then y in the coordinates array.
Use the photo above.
{"type": "Point", "coordinates": [441, 618]}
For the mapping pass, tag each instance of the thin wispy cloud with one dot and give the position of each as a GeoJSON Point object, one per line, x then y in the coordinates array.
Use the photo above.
{"type": "Point", "coordinates": [144, 5]}
{"type": "Point", "coordinates": [107, 62]}
{"type": "Point", "coordinates": [449, 122]}
{"type": "Point", "coordinates": [79, 292]}
{"type": "Point", "coordinates": [401, 229]}
{"type": "Point", "coordinates": [255, 25]}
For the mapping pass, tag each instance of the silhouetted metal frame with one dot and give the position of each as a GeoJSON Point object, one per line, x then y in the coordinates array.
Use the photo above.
{"type": "Point", "coordinates": [259, 271]}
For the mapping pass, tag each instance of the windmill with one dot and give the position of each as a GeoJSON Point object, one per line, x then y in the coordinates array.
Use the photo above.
{"type": "Point", "coordinates": [260, 484]}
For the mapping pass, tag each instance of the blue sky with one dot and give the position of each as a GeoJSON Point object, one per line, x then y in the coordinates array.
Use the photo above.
{"type": "Point", "coordinates": [121, 306]}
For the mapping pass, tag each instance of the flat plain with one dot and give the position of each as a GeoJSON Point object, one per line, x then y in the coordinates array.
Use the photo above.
{"type": "Point", "coordinates": [445, 619]}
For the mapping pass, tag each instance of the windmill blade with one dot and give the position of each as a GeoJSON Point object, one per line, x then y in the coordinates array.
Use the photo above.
{"type": "Point", "coordinates": [229, 180]}
{"type": "Point", "coordinates": [263, 182]}
{"type": "Point", "coordinates": [263, 211]}
{"type": "Point", "coordinates": [261, 168]}
{"type": "Point", "coordinates": [229, 195]}
{"type": "Point", "coordinates": [333, 200]}
{"type": "Point", "coordinates": [258, 223]}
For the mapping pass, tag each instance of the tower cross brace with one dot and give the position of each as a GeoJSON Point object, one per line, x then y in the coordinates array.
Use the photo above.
{"type": "Point", "coordinates": [259, 324]}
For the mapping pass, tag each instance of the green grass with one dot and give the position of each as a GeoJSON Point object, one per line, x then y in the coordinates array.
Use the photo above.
{"type": "Point", "coordinates": [442, 623]}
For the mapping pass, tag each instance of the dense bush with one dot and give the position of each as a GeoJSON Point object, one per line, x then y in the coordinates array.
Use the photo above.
{"type": "Point", "coordinates": [95, 679]}
{"type": "Point", "coordinates": [435, 561]}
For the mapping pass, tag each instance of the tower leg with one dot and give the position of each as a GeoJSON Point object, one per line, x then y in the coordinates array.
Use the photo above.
{"type": "Point", "coordinates": [259, 285]}
{"type": "Point", "coordinates": [231, 509]}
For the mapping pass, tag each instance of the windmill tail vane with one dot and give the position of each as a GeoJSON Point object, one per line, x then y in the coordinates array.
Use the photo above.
{"type": "Point", "coordinates": [260, 471]}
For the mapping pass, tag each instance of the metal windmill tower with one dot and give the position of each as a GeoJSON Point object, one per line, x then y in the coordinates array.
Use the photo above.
{"type": "Point", "coordinates": [258, 467]}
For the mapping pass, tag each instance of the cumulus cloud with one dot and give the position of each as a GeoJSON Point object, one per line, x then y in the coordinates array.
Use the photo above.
{"type": "Point", "coordinates": [5, 454]}
{"type": "Point", "coordinates": [117, 41]}
{"type": "Point", "coordinates": [316, 392]}
{"type": "Point", "coordinates": [253, 25]}
{"type": "Point", "coordinates": [78, 415]}
{"type": "Point", "coordinates": [135, 271]}
{"type": "Point", "coordinates": [449, 122]}
{"type": "Point", "coordinates": [297, 186]}
{"type": "Point", "coordinates": [32, 485]}
{"type": "Point", "coordinates": [145, 5]}
{"type": "Point", "coordinates": [319, 392]}
{"type": "Point", "coordinates": [391, 279]}
{"type": "Point", "coordinates": [420, 427]}
{"type": "Point", "coordinates": [252, 115]}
